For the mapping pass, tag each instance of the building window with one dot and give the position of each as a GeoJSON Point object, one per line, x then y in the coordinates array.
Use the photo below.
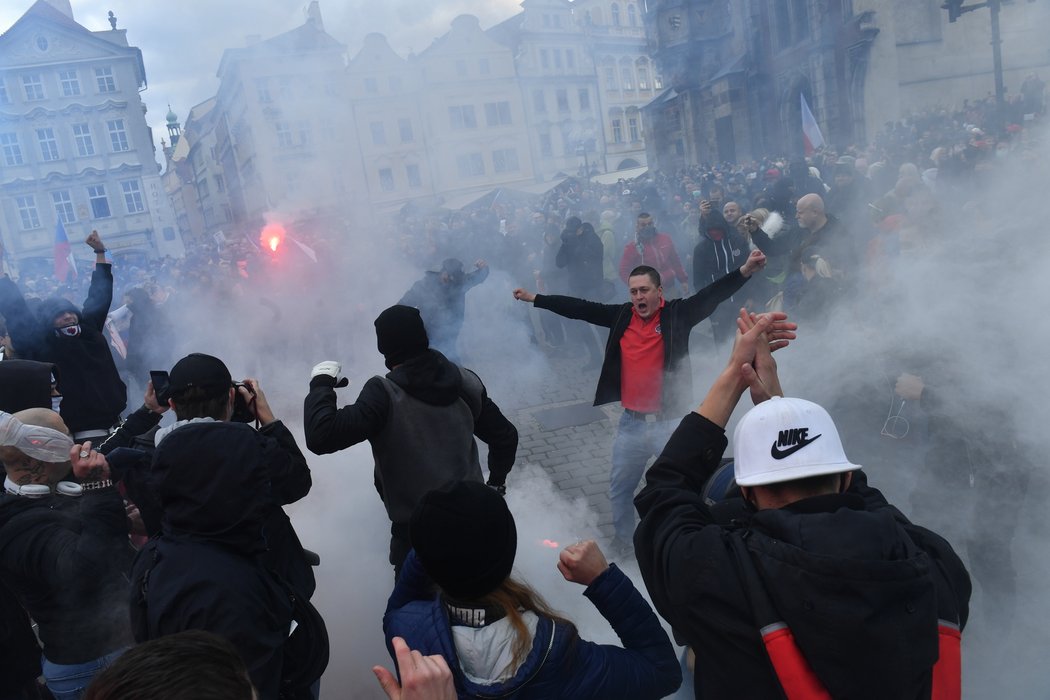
{"type": "Point", "coordinates": [5, 99]}
{"type": "Point", "coordinates": [99, 201]}
{"type": "Point", "coordinates": [63, 206]}
{"type": "Point", "coordinates": [585, 100]}
{"type": "Point", "coordinates": [557, 20]}
{"type": "Point", "coordinates": [562, 98]}
{"type": "Point", "coordinates": [570, 58]}
{"type": "Point", "coordinates": [412, 173]}
{"type": "Point", "coordinates": [118, 137]}
{"type": "Point", "coordinates": [483, 66]}
{"type": "Point", "coordinates": [632, 129]}
{"type": "Point", "coordinates": [133, 196]}
{"type": "Point", "coordinates": [497, 113]}
{"type": "Point", "coordinates": [546, 20]}
{"type": "Point", "coordinates": [557, 59]}
{"type": "Point", "coordinates": [539, 102]}
{"type": "Point", "coordinates": [546, 148]}
{"type": "Point", "coordinates": [545, 60]}
{"type": "Point", "coordinates": [82, 137]}
{"type": "Point", "coordinates": [617, 129]}
{"type": "Point", "coordinates": [404, 129]}
{"type": "Point", "coordinates": [505, 160]}
{"type": "Point", "coordinates": [462, 117]}
{"type": "Point", "coordinates": [626, 80]}
{"type": "Point", "coordinates": [303, 130]}
{"type": "Point", "coordinates": [386, 179]}
{"type": "Point", "coordinates": [104, 79]}
{"type": "Point", "coordinates": [286, 87]}
{"type": "Point", "coordinates": [800, 15]}
{"type": "Point", "coordinates": [461, 68]}
{"type": "Point", "coordinates": [169, 233]}
{"type": "Point", "coordinates": [658, 82]}
{"type": "Point", "coordinates": [378, 133]}
{"type": "Point", "coordinates": [27, 212]}
{"type": "Point", "coordinates": [12, 151]}
{"type": "Point", "coordinates": [470, 165]}
{"type": "Point", "coordinates": [262, 89]}
{"type": "Point", "coordinates": [220, 183]}
{"type": "Point", "coordinates": [371, 86]}
{"type": "Point", "coordinates": [632, 15]}
{"type": "Point", "coordinates": [70, 83]}
{"type": "Point", "coordinates": [48, 143]}
{"type": "Point", "coordinates": [33, 87]}
{"type": "Point", "coordinates": [615, 15]}
{"type": "Point", "coordinates": [284, 135]}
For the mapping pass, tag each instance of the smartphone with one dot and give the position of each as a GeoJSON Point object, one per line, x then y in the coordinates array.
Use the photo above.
{"type": "Point", "coordinates": [160, 384]}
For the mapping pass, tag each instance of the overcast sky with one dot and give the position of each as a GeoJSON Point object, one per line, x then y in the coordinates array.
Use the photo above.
{"type": "Point", "coordinates": [182, 42]}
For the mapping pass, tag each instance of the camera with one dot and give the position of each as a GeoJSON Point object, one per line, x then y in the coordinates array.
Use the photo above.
{"type": "Point", "coordinates": [242, 408]}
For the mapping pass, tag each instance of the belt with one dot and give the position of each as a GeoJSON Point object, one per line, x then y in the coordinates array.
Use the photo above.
{"type": "Point", "coordinates": [639, 415]}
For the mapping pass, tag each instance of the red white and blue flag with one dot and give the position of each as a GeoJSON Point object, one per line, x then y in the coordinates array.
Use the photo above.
{"type": "Point", "coordinates": [810, 131]}
{"type": "Point", "coordinates": [65, 265]}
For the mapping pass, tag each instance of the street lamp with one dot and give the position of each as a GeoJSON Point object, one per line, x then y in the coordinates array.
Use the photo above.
{"type": "Point", "coordinates": [955, 9]}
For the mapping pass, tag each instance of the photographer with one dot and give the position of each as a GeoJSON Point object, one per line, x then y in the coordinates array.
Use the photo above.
{"type": "Point", "coordinates": [211, 500]}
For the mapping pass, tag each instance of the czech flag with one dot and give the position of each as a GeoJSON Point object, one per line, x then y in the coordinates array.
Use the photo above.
{"type": "Point", "coordinates": [810, 131]}
{"type": "Point", "coordinates": [65, 265]}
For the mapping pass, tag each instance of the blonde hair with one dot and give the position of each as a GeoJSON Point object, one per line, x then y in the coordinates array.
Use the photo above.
{"type": "Point", "coordinates": [515, 597]}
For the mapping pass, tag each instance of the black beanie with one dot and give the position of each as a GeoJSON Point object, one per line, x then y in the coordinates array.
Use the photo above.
{"type": "Point", "coordinates": [464, 537]}
{"type": "Point", "coordinates": [400, 334]}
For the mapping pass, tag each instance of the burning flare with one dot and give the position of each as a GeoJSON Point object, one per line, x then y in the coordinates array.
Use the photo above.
{"type": "Point", "coordinates": [272, 236]}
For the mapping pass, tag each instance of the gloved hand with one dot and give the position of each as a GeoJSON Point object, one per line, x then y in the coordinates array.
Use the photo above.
{"type": "Point", "coordinates": [501, 489]}
{"type": "Point", "coordinates": [328, 373]}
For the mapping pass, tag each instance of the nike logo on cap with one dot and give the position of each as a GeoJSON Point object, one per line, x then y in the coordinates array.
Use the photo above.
{"type": "Point", "coordinates": [792, 440]}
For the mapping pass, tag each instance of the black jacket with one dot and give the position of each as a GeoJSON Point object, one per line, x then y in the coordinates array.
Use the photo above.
{"type": "Point", "coordinates": [677, 319]}
{"type": "Point", "coordinates": [582, 256]}
{"type": "Point", "coordinates": [831, 242]}
{"type": "Point", "coordinates": [860, 586]}
{"type": "Point", "coordinates": [429, 377]}
{"type": "Point", "coordinates": [67, 559]}
{"type": "Point", "coordinates": [93, 394]}
{"type": "Point", "coordinates": [222, 537]}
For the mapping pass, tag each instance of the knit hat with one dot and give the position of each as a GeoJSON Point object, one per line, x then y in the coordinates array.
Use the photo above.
{"type": "Point", "coordinates": [400, 334]}
{"type": "Point", "coordinates": [464, 536]}
{"type": "Point", "coordinates": [783, 439]}
{"type": "Point", "coordinates": [199, 370]}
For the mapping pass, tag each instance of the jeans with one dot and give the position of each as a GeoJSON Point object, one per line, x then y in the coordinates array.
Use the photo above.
{"type": "Point", "coordinates": [69, 681]}
{"type": "Point", "coordinates": [636, 441]}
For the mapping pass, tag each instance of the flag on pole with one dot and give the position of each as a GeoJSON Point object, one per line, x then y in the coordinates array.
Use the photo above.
{"type": "Point", "coordinates": [810, 131]}
{"type": "Point", "coordinates": [65, 265]}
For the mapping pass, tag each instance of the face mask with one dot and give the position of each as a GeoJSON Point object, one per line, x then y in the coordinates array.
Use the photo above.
{"type": "Point", "coordinates": [56, 402]}
{"type": "Point", "coordinates": [68, 331]}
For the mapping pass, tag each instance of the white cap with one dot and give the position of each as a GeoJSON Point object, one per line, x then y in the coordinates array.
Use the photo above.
{"type": "Point", "coordinates": [786, 439]}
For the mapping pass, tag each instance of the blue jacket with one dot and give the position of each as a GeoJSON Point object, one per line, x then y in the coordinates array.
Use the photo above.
{"type": "Point", "coordinates": [560, 664]}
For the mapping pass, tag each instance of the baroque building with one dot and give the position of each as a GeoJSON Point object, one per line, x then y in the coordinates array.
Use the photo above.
{"type": "Point", "coordinates": [74, 144]}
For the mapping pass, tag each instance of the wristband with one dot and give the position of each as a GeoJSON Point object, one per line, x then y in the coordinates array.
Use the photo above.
{"type": "Point", "coordinates": [101, 252]}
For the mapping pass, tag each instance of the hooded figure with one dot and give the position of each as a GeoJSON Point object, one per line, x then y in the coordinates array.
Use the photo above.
{"type": "Point", "coordinates": [499, 637]}
{"type": "Point", "coordinates": [441, 299]}
{"type": "Point", "coordinates": [420, 419]}
{"type": "Point", "coordinates": [721, 250]}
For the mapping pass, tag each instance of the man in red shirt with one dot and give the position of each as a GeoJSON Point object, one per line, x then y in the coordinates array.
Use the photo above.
{"type": "Point", "coordinates": [656, 250]}
{"type": "Point", "coordinates": [646, 369]}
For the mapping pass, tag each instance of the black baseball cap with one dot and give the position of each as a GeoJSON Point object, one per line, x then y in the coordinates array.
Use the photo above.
{"type": "Point", "coordinates": [199, 370]}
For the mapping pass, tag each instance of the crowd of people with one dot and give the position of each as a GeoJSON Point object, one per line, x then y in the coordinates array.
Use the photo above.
{"type": "Point", "coordinates": [156, 560]}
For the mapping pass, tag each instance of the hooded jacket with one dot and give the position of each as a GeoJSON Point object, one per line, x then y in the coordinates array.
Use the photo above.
{"type": "Point", "coordinates": [25, 384]}
{"type": "Point", "coordinates": [220, 540]}
{"type": "Point", "coordinates": [861, 588]}
{"type": "Point", "coordinates": [560, 664]}
{"type": "Point", "coordinates": [93, 395]}
{"type": "Point", "coordinates": [448, 406]}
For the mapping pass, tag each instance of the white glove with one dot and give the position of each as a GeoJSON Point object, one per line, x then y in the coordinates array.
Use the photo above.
{"type": "Point", "coordinates": [330, 368]}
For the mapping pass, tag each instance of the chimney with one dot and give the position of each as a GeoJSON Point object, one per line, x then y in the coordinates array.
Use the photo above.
{"type": "Point", "coordinates": [313, 15]}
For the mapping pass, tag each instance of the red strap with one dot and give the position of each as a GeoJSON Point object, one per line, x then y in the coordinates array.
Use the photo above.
{"type": "Point", "coordinates": [947, 672]}
{"type": "Point", "coordinates": [795, 674]}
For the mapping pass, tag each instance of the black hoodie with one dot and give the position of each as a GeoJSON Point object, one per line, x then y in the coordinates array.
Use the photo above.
{"type": "Point", "coordinates": [435, 382]}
